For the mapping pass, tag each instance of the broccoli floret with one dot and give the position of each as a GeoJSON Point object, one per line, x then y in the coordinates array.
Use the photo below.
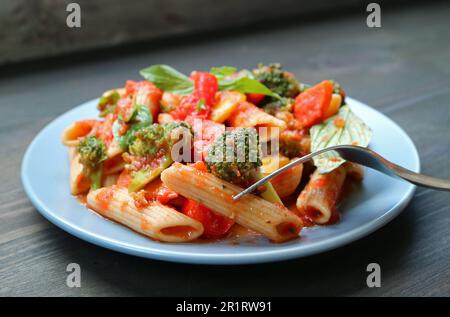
{"type": "Point", "coordinates": [276, 105]}
{"type": "Point", "coordinates": [234, 155]}
{"type": "Point", "coordinates": [92, 152]}
{"type": "Point", "coordinates": [278, 80]}
{"type": "Point", "coordinates": [151, 139]}
{"type": "Point", "coordinates": [154, 143]}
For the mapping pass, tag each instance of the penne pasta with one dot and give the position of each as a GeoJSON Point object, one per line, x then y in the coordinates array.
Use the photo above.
{"type": "Point", "coordinates": [72, 134]}
{"type": "Point", "coordinates": [79, 183]}
{"type": "Point", "coordinates": [113, 149]}
{"type": "Point", "coordinates": [287, 182]}
{"type": "Point", "coordinates": [354, 171]}
{"type": "Point", "coordinates": [155, 220]}
{"type": "Point", "coordinates": [318, 199]}
{"type": "Point", "coordinates": [333, 108]}
{"type": "Point", "coordinates": [113, 165]}
{"type": "Point", "coordinates": [248, 115]}
{"type": "Point", "coordinates": [148, 95]}
{"type": "Point", "coordinates": [164, 118]}
{"type": "Point", "coordinates": [272, 220]}
{"type": "Point", "coordinates": [228, 101]}
{"type": "Point", "coordinates": [120, 91]}
{"type": "Point", "coordinates": [109, 180]}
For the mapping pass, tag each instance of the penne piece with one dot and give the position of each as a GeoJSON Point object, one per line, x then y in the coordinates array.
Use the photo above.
{"type": "Point", "coordinates": [113, 165]}
{"type": "Point", "coordinates": [113, 149]}
{"type": "Point", "coordinates": [109, 180]}
{"type": "Point", "coordinates": [227, 103]}
{"type": "Point", "coordinates": [79, 129]}
{"type": "Point", "coordinates": [287, 182]}
{"type": "Point", "coordinates": [154, 220]}
{"type": "Point", "coordinates": [272, 220]}
{"type": "Point", "coordinates": [318, 199]}
{"type": "Point", "coordinates": [248, 115]}
{"type": "Point", "coordinates": [354, 171]}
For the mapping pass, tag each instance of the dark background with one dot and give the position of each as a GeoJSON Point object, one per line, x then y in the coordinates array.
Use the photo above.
{"type": "Point", "coordinates": [402, 69]}
{"type": "Point", "coordinates": [31, 29]}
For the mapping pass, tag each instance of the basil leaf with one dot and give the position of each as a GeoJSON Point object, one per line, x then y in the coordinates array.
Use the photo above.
{"type": "Point", "coordinates": [222, 72]}
{"type": "Point", "coordinates": [171, 80]}
{"type": "Point", "coordinates": [168, 79]}
{"type": "Point", "coordinates": [141, 118]}
{"type": "Point", "coordinates": [345, 128]}
{"type": "Point", "coordinates": [246, 85]}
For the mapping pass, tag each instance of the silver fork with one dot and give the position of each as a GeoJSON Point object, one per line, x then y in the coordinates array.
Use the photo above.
{"type": "Point", "coordinates": [363, 156]}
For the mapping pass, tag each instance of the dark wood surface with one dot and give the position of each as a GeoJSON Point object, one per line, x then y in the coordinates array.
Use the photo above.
{"type": "Point", "coordinates": [402, 69]}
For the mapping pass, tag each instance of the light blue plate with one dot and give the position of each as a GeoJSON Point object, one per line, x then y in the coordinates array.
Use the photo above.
{"type": "Point", "coordinates": [45, 177]}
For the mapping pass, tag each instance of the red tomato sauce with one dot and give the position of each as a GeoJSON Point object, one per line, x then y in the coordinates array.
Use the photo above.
{"type": "Point", "coordinates": [104, 197]}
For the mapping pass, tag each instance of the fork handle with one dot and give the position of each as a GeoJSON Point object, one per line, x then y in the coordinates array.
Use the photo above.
{"type": "Point", "coordinates": [410, 176]}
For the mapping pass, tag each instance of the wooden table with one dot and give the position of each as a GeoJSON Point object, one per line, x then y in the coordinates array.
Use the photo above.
{"type": "Point", "coordinates": [402, 69]}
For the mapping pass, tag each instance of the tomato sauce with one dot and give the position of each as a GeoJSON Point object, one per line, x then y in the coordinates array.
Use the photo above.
{"type": "Point", "coordinates": [104, 197]}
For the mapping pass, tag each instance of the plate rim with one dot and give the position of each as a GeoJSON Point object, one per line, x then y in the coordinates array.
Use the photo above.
{"type": "Point", "coordinates": [282, 254]}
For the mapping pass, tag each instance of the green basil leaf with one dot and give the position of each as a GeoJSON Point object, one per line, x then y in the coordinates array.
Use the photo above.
{"type": "Point", "coordinates": [168, 79]}
{"type": "Point", "coordinates": [344, 128]}
{"type": "Point", "coordinates": [222, 72]}
{"type": "Point", "coordinates": [246, 85]}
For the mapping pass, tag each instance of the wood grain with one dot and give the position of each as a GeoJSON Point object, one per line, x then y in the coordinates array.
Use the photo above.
{"type": "Point", "coordinates": [401, 69]}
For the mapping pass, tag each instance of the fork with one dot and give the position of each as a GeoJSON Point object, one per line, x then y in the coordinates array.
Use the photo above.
{"type": "Point", "coordinates": [362, 156]}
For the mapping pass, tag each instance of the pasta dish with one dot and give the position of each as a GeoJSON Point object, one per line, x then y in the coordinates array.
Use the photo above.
{"type": "Point", "coordinates": [167, 153]}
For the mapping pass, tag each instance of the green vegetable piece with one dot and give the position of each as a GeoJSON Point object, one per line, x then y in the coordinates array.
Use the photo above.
{"type": "Point", "coordinates": [171, 80]}
{"type": "Point", "coordinates": [151, 139]}
{"type": "Point", "coordinates": [141, 118]}
{"type": "Point", "coordinates": [270, 193]}
{"type": "Point", "coordinates": [341, 129]}
{"type": "Point", "coordinates": [200, 105]}
{"type": "Point", "coordinates": [235, 155]}
{"type": "Point", "coordinates": [107, 103]}
{"type": "Point", "coordinates": [222, 72]}
{"type": "Point", "coordinates": [154, 142]}
{"type": "Point", "coordinates": [246, 85]}
{"type": "Point", "coordinates": [277, 80]}
{"type": "Point", "coordinates": [96, 178]}
{"type": "Point", "coordinates": [168, 79]}
{"type": "Point", "coordinates": [92, 153]}
{"type": "Point", "coordinates": [144, 176]}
